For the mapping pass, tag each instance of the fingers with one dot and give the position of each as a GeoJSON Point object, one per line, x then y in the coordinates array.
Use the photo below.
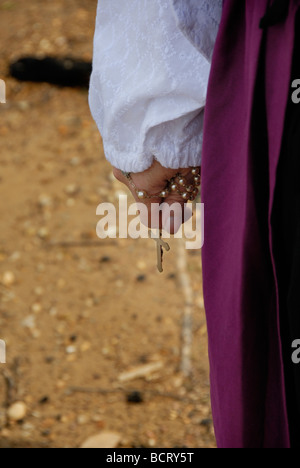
{"type": "Point", "coordinates": [148, 208]}
{"type": "Point", "coordinates": [175, 212]}
{"type": "Point", "coordinates": [169, 213]}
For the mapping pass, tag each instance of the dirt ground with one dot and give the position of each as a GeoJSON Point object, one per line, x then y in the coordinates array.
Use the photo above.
{"type": "Point", "coordinates": [76, 311]}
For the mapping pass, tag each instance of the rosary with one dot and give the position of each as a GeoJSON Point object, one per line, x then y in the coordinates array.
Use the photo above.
{"type": "Point", "coordinates": [178, 184]}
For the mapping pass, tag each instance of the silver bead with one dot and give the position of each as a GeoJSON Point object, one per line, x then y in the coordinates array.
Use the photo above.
{"type": "Point", "coordinates": [195, 171]}
{"type": "Point", "coordinates": [174, 187]}
{"type": "Point", "coordinates": [164, 194]}
{"type": "Point", "coordinates": [185, 196]}
{"type": "Point", "coordinates": [182, 181]}
{"type": "Point", "coordinates": [142, 194]}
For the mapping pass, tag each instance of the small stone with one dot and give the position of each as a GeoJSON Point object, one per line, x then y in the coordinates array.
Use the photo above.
{"type": "Point", "coordinates": [71, 202]}
{"type": "Point", "coordinates": [105, 259]}
{"type": "Point", "coordinates": [49, 359]}
{"type": "Point", "coordinates": [142, 265]}
{"type": "Point", "coordinates": [82, 419]}
{"type": "Point", "coordinates": [106, 440]}
{"type": "Point", "coordinates": [135, 397]}
{"type": "Point", "coordinates": [45, 201]}
{"type": "Point", "coordinates": [86, 346]}
{"type": "Point", "coordinates": [151, 442]}
{"type": "Point", "coordinates": [44, 400]}
{"type": "Point", "coordinates": [75, 161]}
{"type": "Point", "coordinates": [24, 105]}
{"type": "Point", "coordinates": [97, 418]}
{"type": "Point", "coordinates": [53, 312]}
{"type": "Point", "coordinates": [8, 279]}
{"type": "Point", "coordinates": [206, 423]}
{"type": "Point", "coordinates": [17, 411]}
{"type": "Point", "coordinates": [39, 291]}
{"type": "Point", "coordinates": [29, 322]}
{"type": "Point", "coordinates": [71, 349]}
{"type": "Point", "coordinates": [172, 276]}
{"type": "Point", "coordinates": [43, 233]}
{"type": "Point", "coordinates": [15, 257]}
{"type": "Point", "coordinates": [36, 308]}
{"type": "Point", "coordinates": [72, 189]}
{"type": "Point", "coordinates": [141, 278]}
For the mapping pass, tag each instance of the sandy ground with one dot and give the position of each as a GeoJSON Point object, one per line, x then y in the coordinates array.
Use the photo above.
{"type": "Point", "coordinates": [76, 311]}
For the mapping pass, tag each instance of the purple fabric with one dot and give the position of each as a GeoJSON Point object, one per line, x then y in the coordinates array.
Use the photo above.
{"type": "Point", "coordinates": [240, 288]}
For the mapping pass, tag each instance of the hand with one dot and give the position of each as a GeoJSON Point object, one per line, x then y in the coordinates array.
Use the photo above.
{"type": "Point", "coordinates": [154, 180]}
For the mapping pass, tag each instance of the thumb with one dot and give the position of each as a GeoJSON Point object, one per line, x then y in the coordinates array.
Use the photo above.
{"type": "Point", "coordinates": [175, 212]}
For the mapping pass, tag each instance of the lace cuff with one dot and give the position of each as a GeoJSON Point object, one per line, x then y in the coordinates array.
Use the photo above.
{"type": "Point", "coordinates": [148, 86]}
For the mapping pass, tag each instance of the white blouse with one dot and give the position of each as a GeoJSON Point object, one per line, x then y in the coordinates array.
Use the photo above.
{"type": "Point", "coordinates": [150, 73]}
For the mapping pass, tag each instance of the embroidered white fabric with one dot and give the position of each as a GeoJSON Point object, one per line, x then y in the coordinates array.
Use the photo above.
{"type": "Point", "coordinates": [149, 83]}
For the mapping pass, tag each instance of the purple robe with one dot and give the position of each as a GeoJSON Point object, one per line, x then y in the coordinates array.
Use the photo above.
{"type": "Point", "coordinates": [240, 287]}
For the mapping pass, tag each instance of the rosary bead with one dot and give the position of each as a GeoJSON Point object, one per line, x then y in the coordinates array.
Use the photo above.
{"type": "Point", "coordinates": [195, 171]}
{"type": "Point", "coordinates": [142, 194]}
{"type": "Point", "coordinates": [174, 187]}
{"type": "Point", "coordinates": [164, 194]}
{"type": "Point", "coordinates": [182, 181]}
{"type": "Point", "coordinates": [185, 195]}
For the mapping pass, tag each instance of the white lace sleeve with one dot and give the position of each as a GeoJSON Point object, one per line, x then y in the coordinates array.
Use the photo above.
{"type": "Point", "coordinates": [148, 86]}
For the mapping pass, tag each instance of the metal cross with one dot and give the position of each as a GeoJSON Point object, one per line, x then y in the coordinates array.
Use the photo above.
{"type": "Point", "coordinates": [160, 246]}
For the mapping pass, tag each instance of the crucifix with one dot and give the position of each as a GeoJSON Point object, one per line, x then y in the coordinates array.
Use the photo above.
{"type": "Point", "coordinates": [160, 246]}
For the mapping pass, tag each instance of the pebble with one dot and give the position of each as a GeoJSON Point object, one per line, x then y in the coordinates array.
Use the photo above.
{"type": "Point", "coordinates": [43, 233]}
{"type": "Point", "coordinates": [71, 202]}
{"type": "Point", "coordinates": [29, 322]}
{"type": "Point", "coordinates": [107, 440]}
{"type": "Point", "coordinates": [142, 265]}
{"type": "Point", "coordinates": [152, 443]}
{"type": "Point", "coordinates": [44, 400]}
{"type": "Point", "coordinates": [8, 279]}
{"type": "Point", "coordinates": [17, 411]}
{"type": "Point", "coordinates": [39, 291]}
{"type": "Point", "coordinates": [71, 349]}
{"type": "Point", "coordinates": [75, 161]}
{"type": "Point", "coordinates": [15, 257]}
{"type": "Point", "coordinates": [72, 189]}
{"type": "Point", "coordinates": [206, 423]}
{"type": "Point", "coordinates": [36, 308]}
{"type": "Point", "coordinates": [105, 259]}
{"type": "Point", "coordinates": [45, 201]}
{"type": "Point", "coordinates": [141, 278]}
{"type": "Point", "coordinates": [82, 419]}
{"type": "Point", "coordinates": [135, 397]}
{"type": "Point", "coordinates": [86, 346]}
